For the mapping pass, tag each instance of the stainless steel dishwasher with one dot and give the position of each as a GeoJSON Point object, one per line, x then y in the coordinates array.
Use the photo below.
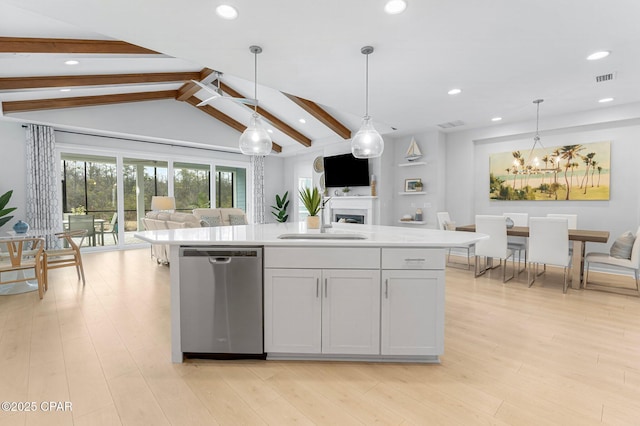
{"type": "Point", "coordinates": [221, 301]}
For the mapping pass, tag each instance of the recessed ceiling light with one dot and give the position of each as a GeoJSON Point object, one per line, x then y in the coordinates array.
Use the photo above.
{"type": "Point", "coordinates": [302, 120]}
{"type": "Point", "coordinates": [71, 62]}
{"type": "Point", "coordinates": [65, 90]}
{"type": "Point", "coordinates": [605, 100]}
{"type": "Point", "coordinates": [393, 7]}
{"type": "Point", "coordinates": [269, 130]}
{"type": "Point", "coordinates": [454, 91]}
{"type": "Point", "coordinates": [598, 55]}
{"type": "Point", "coordinates": [496, 119]}
{"type": "Point", "coordinates": [227, 12]}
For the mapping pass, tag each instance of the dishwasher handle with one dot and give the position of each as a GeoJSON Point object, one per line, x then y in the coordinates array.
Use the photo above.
{"type": "Point", "coordinates": [219, 260]}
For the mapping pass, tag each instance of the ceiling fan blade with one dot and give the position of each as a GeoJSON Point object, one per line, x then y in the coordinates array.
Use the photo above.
{"type": "Point", "coordinates": [209, 89]}
{"type": "Point", "coordinates": [245, 101]}
{"type": "Point", "coordinates": [206, 101]}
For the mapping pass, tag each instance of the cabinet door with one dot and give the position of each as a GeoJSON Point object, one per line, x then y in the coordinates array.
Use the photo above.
{"type": "Point", "coordinates": [351, 311]}
{"type": "Point", "coordinates": [292, 310]}
{"type": "Point", "coordinates": [412, 312]}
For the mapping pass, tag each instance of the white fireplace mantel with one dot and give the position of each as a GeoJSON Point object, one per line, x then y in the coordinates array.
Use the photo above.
{"type": "Point", "coordinates": [363, 203]}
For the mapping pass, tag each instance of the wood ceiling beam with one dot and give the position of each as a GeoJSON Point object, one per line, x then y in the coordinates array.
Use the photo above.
{"type": "Point", "coordinates": [321, 115]}
{"type": "Point", "coordinates": [187, 90]}
{"type": "Point", "coordinates": [64, 45]}
{"type": "Point", "coordinates": [277, 123]}
{"type": "Point", "coordinates": [224, 118]}
{"type": "Point", "coordinates": [83, 101]}
{"type": "Point", "coordinates": [10, 83]}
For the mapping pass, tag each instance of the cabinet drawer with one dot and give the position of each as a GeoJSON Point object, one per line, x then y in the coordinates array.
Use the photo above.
{"type": "Point", "coordinates": [408, 258]}
{"type": "Point", "coordinates": [322, 257]}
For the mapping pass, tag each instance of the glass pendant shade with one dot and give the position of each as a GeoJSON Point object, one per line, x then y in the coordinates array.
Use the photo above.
{"type": "Point", "coordinates": [367, 143]}
{"type": "Point", "coordinates": [255, 139]}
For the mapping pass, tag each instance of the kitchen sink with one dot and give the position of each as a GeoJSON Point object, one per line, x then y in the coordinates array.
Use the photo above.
{"type": "Point", "coordinates": [330, 236]}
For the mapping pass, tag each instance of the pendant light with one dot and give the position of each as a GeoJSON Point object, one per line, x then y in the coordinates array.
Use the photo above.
{"type": "Point", "coordinates": [255, 139]}
{"type": "Point", "coordinates": [367, 143]}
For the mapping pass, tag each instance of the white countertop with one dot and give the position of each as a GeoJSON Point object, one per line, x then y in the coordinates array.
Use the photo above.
{"type": "Point", "coordinates": [267, 235]}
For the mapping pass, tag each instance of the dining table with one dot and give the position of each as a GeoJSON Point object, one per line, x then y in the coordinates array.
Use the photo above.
{"type": "Point", "coordinates": [578, 237]}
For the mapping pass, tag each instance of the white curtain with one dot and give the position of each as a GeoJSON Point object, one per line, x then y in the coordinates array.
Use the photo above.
{"type": "Point", "coordinates": [257, 164]}
{"type": "Point", "coordinates": [43, 209]}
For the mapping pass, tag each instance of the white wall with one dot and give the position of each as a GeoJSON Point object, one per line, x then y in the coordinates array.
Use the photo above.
{"type": "Point", "coordinates": [467, 169]}
{"type": "Point", "coordinates": [13, 169]}
{"type": "Point", "coordinates": [432, 174]}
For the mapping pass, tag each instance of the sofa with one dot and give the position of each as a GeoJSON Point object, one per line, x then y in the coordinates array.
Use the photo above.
{"type": "Point", "coordinates": [157, 220]}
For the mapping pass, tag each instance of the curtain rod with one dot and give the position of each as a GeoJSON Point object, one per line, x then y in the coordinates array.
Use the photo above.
{"type": "Point", "coordinates": [24, 126]}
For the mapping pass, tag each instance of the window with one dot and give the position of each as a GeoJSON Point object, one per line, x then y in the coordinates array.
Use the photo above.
{"type": "Point", "coordinates": [303, 182]}
{"type": "Point", "coordinates": [89, 185]}
{"type": "Point", "coordinates": [142, 179]}
{"type": "Point", "coordinates": [191, 186]}
{"type": "Point", "coordinates": [231, 187]}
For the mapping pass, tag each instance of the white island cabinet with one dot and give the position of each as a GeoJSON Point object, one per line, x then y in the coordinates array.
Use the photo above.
{"type": "Point", "coordinates": [366, 292]}
{"type": "Point", "coordinates": [322, 301]}
{"type": "Point", "coordinates": [412, 302]}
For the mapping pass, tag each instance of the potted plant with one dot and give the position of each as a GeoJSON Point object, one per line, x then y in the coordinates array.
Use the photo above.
{"type": "Point", "coordinates": [419, 186]}
{"type": "Point", "coordinates": [4, 199]}
{"type": "Point", "coordinates": [312, 200]}
{"type": "Point", "coordinates": [346, 190]}
{"type": "Point", "coordinates": [280, 209]}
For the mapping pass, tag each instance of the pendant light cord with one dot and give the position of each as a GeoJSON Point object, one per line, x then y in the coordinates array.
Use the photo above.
{"type": "Point", "coordinates": [255, 81]}
{"type": "Point", "coordinates": [536, 138]}
{"type": "Point", "coordinates": [366, 89]}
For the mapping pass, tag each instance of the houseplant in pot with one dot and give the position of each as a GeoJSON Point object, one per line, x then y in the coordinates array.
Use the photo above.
{"type": "Point", "coordinates": [280, 209]}
{"type": "Point", "coordinates": [312, 200]}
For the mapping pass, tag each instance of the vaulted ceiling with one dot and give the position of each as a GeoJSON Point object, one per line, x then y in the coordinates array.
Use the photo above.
{"type": "Point", "coordinates": [502, 54]}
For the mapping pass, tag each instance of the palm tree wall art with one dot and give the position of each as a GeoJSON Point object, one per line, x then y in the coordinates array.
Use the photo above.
{"type": "Point", "coordinates": [516, 177]}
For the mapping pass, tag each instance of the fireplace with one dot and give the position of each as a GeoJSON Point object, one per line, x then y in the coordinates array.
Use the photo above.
{"type": "Point", "coordinates": [359, 209]}
{"type": "Point", "coordinates": [349, 218]}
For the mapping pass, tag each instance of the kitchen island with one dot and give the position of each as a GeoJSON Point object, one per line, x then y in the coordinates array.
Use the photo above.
{"type": "Point", "coordinates": [356, 292]}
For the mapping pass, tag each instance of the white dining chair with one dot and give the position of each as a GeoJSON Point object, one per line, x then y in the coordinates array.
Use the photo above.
{"type": "Point", "coordinates": [495, 246]}
{"type": "Point", "coordinates": [519, 244]}
{"type": "Point", "coordinates": [631, 264]}
{"type": "Point", "coordinates": [549, 245]}
{"type": "Point", "coordinates": [572, 219]}
{"type": "Point", "coordinates": [446, 224]}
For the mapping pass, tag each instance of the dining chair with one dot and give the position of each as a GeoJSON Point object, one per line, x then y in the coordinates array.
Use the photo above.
{"type": "Point", "coordinates": [572, 219]}
{"type": "Point", "coordinates": [446, 224]}
{"type": "Point", "coordinates": [19, 255]}
{"type": "Point", "coordinates": [631, 264]}
{"type": "Point", "coordinates": [549, 245]}
{"type": "Point", "coordinates": [84, 222]}
{"type": "Point", "coordinates": [518, 244]}
{"type": "Point", "coordinates": [69, 255]}
{"type": "Point", "coordinates": [495, 246]}
{"type": "Point", "coordinates": [113, 229]}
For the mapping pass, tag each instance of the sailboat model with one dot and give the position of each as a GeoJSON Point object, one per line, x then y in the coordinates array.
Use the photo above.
{"type": "Point", "coordinates": [413, 153]}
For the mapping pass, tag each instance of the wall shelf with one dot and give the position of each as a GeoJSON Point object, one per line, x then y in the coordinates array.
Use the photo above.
{"type": "Point", "coordinates": [418, 163]}
{"type": "Point", "coordinates": [412, 193]}
{"type": "Point", "coordinates": [413, 222]}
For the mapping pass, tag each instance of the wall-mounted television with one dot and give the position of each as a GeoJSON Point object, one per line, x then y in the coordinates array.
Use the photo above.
{"type": "Point", "coordinates": [346, 170]}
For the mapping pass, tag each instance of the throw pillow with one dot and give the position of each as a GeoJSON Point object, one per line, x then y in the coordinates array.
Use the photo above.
{"type": "Point", "coordinates": [449, 226]}
{"type": "Point", "coordinates": [237, 219]}
{"type": "Point", "coordinates": [210, 221]}
{"type": "Point", "coordinates": [622, 246]}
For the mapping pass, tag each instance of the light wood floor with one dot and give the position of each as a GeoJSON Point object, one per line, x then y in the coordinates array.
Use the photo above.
{"type": "Point", "coordinates": [513, 355]}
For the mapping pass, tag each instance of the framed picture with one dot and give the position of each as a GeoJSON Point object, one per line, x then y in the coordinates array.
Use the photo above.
{"type": "Point", "coordinates": [412, 185]}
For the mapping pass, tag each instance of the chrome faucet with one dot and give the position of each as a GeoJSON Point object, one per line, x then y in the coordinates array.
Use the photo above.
{"type": "Point", "coordinates": [322, 225]}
